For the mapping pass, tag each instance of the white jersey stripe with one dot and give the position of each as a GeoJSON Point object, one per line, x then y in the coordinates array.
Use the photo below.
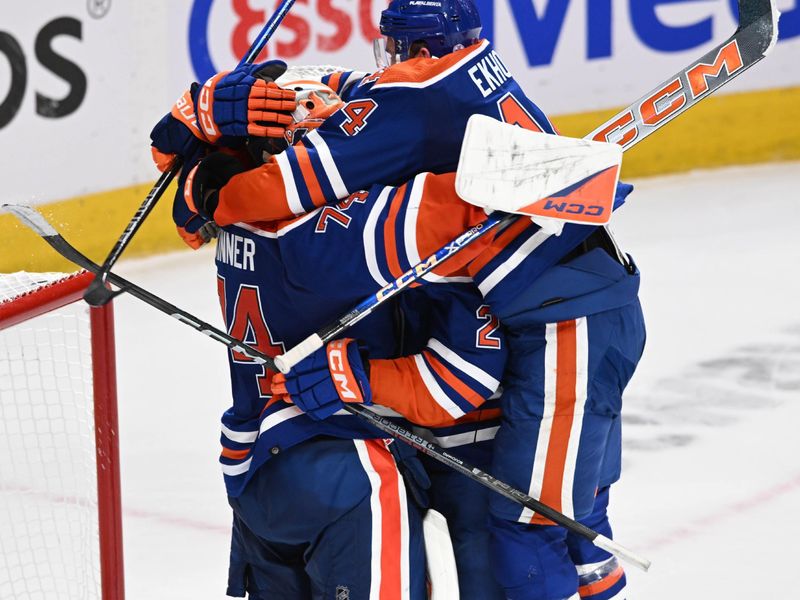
{"type": "Point", "coordinates": [435, 390]}
{"type": "Point", "coordinates": [233, 470]}
{"type": "Point", "coordinates": [292, 197]}
{"type": "Point", "coordinates": [478, 374]}
{"type": "Point", "coordinates": [512, 262]}
{"type": "Point", "coordinates": [370, 234]}
{"type": "Point", "coordinates": [410, 232]}
{"type": "Point", "coordinates": [278, 417]}
{"type": "Point", "coordinates": [375, 509]}
{"type": "Point", "coordinates": [540, 456]}
{"type": "Point", "coordinates": [328, 164]}
{"type": "Point", "coordinates": [422, 84]}
{"type": "Point", "coordinates": [581, 393]}
{"type": "Point", "coordinates": [281, 231]}
{"type": "Point", "coordinates": [240, 437]}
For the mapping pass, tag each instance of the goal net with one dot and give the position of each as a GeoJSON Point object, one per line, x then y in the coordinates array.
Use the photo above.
{"type": "Point", "coordinates": [60, 525]}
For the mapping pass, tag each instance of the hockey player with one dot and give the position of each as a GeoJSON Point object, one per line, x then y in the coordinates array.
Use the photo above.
{"type": "Point", "coordinates": [320, 510]}
{"type": "Point", "coordinates": [405, 119]}
{"type": "Point", "coordinates": [594, 345]}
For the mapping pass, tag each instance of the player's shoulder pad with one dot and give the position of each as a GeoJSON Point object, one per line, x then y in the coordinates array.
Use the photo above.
{"type": "Point", "coordinates": [424, 72]}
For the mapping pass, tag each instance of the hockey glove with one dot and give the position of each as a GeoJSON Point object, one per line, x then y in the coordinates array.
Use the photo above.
{"type": "Point", "coordinates": [177, 134]}
{"type": "Point", "coordinates": [245, 102]}
{"type": "Point", "coordinates": [201, 189]}
{"type": "Point", "coordinates": [320, 384]}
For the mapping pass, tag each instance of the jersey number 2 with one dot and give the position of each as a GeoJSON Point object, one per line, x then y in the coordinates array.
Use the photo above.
{"type": "Point", "coordinates": [485, 336]}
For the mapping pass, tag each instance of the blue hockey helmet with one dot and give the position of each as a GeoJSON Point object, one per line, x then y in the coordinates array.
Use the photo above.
{"type": "Point", "coordinates": [443, 25]}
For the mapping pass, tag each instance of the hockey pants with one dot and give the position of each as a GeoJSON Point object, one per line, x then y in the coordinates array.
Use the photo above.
{"type": "Point", "coordinates": [329, 519]}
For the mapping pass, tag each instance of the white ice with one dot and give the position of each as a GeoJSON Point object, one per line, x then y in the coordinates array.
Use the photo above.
{"type": "Point", "coordinates": [711, 484]}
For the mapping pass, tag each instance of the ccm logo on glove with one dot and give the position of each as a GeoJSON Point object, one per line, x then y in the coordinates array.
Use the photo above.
{"type": "Point", "coordinates": [346, 383]}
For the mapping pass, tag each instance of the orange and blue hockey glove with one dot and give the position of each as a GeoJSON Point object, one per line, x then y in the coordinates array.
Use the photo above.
{"type": "Point", "coordinates": [321, 384]}
{"type": "Point", "coordinates": [177, 133]}
{"type": "Point", "coordinates": [245, 102]}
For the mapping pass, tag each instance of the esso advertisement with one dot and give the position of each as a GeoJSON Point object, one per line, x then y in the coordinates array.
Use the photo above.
{"type": "Point", "coordinates": [338, 32]}
{"type": "Point", "coordinates": [82, 82]}
{"type": "Point", "coordinates": [569, 55]}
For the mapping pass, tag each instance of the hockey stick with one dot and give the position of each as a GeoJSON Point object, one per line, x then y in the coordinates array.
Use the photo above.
{"type": "Point", "coordinates": [34, 220]}
{"type": "Point", "coordinates": [97, 293]}
{"type": "Point", "coordinates": [753, 39]}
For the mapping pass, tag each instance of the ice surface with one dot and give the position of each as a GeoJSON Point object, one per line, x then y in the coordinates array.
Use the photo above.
{"type": "Point", "coordinates": [711, 486]}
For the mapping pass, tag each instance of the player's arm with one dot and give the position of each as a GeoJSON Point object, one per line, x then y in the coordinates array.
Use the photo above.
{"type": "Point", "coordinates": [344, 83]}
{"type": "Point", "coordinates": [371, 139]}
{"type": "Point", "coordinates": [459, 368]}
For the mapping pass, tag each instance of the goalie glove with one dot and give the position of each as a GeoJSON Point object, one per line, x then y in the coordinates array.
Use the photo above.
{"type": "Point", "coordinates": [321, 384]}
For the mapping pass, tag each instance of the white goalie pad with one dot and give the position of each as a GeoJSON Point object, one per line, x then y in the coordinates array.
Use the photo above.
{"type": "Point", "coordinates": [507, 168]}
{"type": "Point", "coordinates": [441, 562]}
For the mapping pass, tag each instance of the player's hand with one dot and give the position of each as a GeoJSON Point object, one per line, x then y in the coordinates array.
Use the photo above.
{"type": "Point", "coordinates": [320, 384]}
{"type": "Point", "coordinates": [195, 231]}
{"type": "Point", "coordinates": [177, 134]}
{"type": "Point", "coordinates": [245, 102]}
{"type": "Point", "coordinates": [202, 185]}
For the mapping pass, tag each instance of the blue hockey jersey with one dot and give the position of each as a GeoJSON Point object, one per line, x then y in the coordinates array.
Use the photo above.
{"type": "Point", "coordinates": [280, 281]}
{"type": "Point", "coordinates": [398, 122]}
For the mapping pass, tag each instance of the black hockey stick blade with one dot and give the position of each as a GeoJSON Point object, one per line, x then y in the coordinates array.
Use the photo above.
{"type": "Point", "coordinates": [755, 36]}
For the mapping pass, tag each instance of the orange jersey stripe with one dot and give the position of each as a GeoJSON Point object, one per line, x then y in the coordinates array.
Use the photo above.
{"type": "Point", "coordinates": [234, 454]}
{"type": "Point", "coordinates": [442, 217]}
{"type": "Point", "coordinates": [334, 80]}
{"type": "Point", "coordinates": [602, 585]}
{"type": "Point", "coordinates": [309, 176]}
{"type": "Point", "coordinates": [454, 382]}
{"type": "Point", "coordinates": [389, 494]}
{"type": "Point", "coordinates": [418, 70]}
{"type": "Point", "coordinates": [508, 235]}
{"type": "Point", "coordinates": [252, 196]}
{"type": "Point", "coordinates": [566, 376]}
{"type": "Point", "coordinates": [389, 237]}
{"type": "Point", "coordinates": [397, 384]}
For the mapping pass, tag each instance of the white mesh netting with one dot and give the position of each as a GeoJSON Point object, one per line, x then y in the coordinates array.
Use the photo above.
{"type": "Point", "coordinates": [314, 72]}
{"type": "Point", "coordinates": [48, 486]}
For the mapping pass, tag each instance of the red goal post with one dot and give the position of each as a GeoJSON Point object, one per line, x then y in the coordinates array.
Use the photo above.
{"type": "Point", "coordinates": [43, 418]}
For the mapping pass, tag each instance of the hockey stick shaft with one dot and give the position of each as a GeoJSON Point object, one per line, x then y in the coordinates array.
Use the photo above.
{"type": "Point", "coordinates": [36, 222]}
{"type": "Point", "coordinates": [752, 40]}
{"type": "Point", "coordinates": [438, 453]}
{"type": "Point", "coordinates": [97, 293]}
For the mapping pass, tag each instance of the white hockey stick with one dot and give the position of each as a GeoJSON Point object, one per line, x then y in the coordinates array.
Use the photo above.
{"type": "Point", "coordinates": [514, 170]}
